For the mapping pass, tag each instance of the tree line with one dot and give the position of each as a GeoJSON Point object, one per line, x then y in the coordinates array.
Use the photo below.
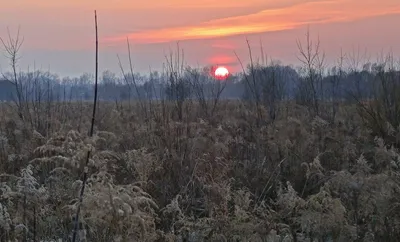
{"type": "Point", "coordinates": [335, 84]}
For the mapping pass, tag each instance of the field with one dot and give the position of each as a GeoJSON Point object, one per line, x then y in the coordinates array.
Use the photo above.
{"type": "Point", "coordinates": [233, 176]}
{"type": "Point", "coordinates": [271, 154]}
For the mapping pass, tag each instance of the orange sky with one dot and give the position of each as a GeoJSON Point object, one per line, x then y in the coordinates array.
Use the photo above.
{"type": "Point", "coordinates": [59, 34]}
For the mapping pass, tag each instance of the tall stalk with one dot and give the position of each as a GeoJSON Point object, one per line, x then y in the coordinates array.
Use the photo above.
{"type": "Point", "coordinates": [86, 169]}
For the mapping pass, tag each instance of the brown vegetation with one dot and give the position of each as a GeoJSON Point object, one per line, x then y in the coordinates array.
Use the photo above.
{"type": "Point", "coordinates": [199, 180]}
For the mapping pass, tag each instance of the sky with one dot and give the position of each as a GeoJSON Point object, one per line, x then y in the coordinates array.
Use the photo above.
{"type": "Point", "coordinates": [59, 35]}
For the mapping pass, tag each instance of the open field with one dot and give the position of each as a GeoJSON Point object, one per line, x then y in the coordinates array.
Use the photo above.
{"type": "Point", "coordinates": [275, 153]}
{"type": "Point", "coordinates": [222, 178]}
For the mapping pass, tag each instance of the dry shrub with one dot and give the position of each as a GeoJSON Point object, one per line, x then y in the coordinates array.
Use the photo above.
{"type": "Point", "coordinates": [116, 212]}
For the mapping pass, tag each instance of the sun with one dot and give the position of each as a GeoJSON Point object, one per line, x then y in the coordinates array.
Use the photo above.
{"type": "Point", "coordinates": [221, 73]}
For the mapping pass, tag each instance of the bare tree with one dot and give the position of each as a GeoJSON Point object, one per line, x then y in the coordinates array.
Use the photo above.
{"type": "Point", "coordinates": [199, 82]}
{"type": "Point", "coordinates": [273, 85]}
{"type": "Point", "coordinates": [217, 87]}
{"type": "Point", "coordinates": [251, 84]}
{"type": "Point", "coordinates": [178, 88]}
{"type": "Point", "coordinates": [311, 88]}
{"type": "Point", "coordinates": [335, 77]}
{"type": "Point", "coordinates": [265, 85]}
{"type": "Point", "coordinates": [12, 46]}
{"type": "Point", "coordinates": [207, 89]}
{"type": "Point", "coordinates": [130, 79]}
{"type": "Point", "coordinates": [355, 60]}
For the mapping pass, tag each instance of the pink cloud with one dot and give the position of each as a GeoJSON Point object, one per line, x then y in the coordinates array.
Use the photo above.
{"type": "Point", "coordinates": [268, 20]}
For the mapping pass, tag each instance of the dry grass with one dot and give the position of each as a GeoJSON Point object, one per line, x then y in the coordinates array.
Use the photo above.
{"type": "Point", "coordinates": [220, 178]}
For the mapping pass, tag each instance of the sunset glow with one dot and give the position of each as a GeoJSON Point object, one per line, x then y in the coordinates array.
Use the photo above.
{"type": "Point", "coordinates": [209, 31]}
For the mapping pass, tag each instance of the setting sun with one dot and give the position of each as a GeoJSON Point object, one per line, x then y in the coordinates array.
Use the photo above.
{"type": "Point", "coordinates": [221, 73]}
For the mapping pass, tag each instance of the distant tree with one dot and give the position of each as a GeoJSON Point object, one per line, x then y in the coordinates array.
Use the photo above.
{"type": "Point", "coordinates": [311, 87]}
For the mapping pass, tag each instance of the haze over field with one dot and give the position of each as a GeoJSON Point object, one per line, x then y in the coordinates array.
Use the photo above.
{"type": "Point", "coordinates": [59, 34]}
